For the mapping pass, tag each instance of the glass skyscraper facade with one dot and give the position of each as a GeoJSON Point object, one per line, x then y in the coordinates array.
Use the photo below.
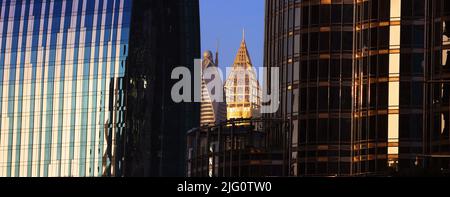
{"type": "Point", "coordinates": [164, 34]}
{"type": "Point", "coordinates": [62, 64]}
{"type": "Point", "coordinates": [363, 82]}
{"type": "Point", "coordinates": [85, 87]}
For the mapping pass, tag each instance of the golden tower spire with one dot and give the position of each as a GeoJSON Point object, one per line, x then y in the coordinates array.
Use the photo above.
{"type": "Point", "coordinates": [243, 57]}
{"type": "Point", "coordinates": [242, 88]}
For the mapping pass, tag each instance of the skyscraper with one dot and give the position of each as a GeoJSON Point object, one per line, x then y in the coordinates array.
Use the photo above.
{"type": "Point", "coordinates": [213, 108]}
{"type": "Point", "coordinates": [164, 34]}
{"type": "Point", "coordinates": [242, 89]}
{"type": "Point", "coordinates": [245, 144]}
{"type": "Point", "coordinates": [361, 82]}
{"type": "Point", "coordinates": [67, 68]}
{"type": "Point", "coordinates": [61, 64]}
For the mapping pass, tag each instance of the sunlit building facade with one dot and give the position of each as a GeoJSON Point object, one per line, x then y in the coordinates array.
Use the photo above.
{"type": "Point", "coordinates": [242, 89]}
{"type": "Point", "coordinates": [361, 82]}
{"type": "Point", "coordinates": [61, 69]}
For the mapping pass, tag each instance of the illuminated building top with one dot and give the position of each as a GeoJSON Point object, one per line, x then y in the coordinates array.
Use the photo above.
{"type": "Point", "coordinates": [242, 88]}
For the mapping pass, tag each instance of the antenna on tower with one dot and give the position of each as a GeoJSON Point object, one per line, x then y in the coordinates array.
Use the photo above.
{"type": "Point", "coordinates": [243, 33]}
{"type": "Point", "coordinates": [217, 53]}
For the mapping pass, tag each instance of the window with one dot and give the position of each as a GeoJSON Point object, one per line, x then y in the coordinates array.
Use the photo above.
{"type": "Point", "coordinates": [373, 96]}
{"type": "Point", "coordinates": [347, 68]}
{"type": "Point", "coordinates": [335, 69]}
{"type": "Point", "coordinates": [313, 70]}
{"type": "Point", "coordinates": [417, 63]}
{"type": "Point", "coordinates": [346, 98]}
{"type": "Point", "coordinates": [290, 45]}
{"type": "Point", "coordinates": [382, 95]}
{"type": "Point", "coordinates": [323, 69]}
{"type": "Point", "coordinates": [417, 92]}
{"type": "Point", "coordinates": [336, 41]}
{"type": "Point", "coordinates": [302, 131]}
{"type": "Point", "coordinates": [334, 98]}
{"type": "Point", "coordinates": [405, 66]}
{"type": "Point", "coordinates": [365, 92]}
{"type": "Point", "coordinates": [291, 18]}
{"type": "Point", "coordinates": [296, 96]}
{"type": "Point", "coordinates": [323, 99]}
{"type": "Point", "coordinates": [324, 41]}
{"type": "Point", "coordinates": [384, 10]}
{"type": "Point", "coordinates": [418, 36]}
{"type": "Point", "coordinates": [336, 13]}
{"type": "Point", "coordinates": [348, 13]}
{"type": "Point", "coordinates": [297, 17]}
{"type": "Point", "coordinates": [374, 9]}
{"type": "Point", "coordinates": [345, 129]}
{"type": "Point", "coordinates": [372, 127]}
{"type": "Point", "coordinates": [373, 65]}
{"type": "Point", "coordinates": [297, 44]}
{"type": "Point", "coordinates": [305, 16]}
{"type": "Point", "coordinates": [325, 14]}
{"type": "Point", "coordinates": [314, 15]}
{"type": "Point", "coordinates": [407, 8]}
{"type": "Point", "coordinates": [322, 131]}
{"type": "Point", "coordinates": [347, 40]}
{"type": "Point", "coordinates": [383, 65]}
{"type": "Point", "coordinates": [312, 103]}
{"type": "Point", "coordinates": [418, 9]}
{"type": "Point", "coordinates": [296, 71]}
{"type": "Point", "coordinates": [314, 41]}
{"type": "Point", "coordinates": [305, 41]}
{"type": "Point", "coordinates": [304, 70]}
{"type": "Point", "coordinates": [383, 37]}
{"type": "Point", "coordinates": [289, 73]}
{"type": "Point", "coordinates": [312, 128]}
{"type": "Point", "coordinates": [411, 126]}
{"type": "Point", "coordinates": [363, 134]}
{"type": "Point", "coordinates": [303, 99]}
{"type": "Point", "coordinates": [334, 130]}
{"type": "Point", "coordinates": [373, 38]}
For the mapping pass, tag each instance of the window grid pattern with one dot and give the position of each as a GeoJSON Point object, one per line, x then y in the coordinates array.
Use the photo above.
{"type": "Point", "coordinates": [61, 69]}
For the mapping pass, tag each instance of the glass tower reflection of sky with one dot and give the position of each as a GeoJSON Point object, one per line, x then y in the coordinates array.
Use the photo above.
{"type": "Point", "coordinates": [58, 60]}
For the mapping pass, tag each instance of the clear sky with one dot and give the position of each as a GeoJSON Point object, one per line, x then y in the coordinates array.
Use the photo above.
{"type": "Point", "coordinates": [224, 20]}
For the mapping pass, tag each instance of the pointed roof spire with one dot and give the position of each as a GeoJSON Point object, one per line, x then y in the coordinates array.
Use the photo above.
{"type": "Point", "coordinates": [243, 57]}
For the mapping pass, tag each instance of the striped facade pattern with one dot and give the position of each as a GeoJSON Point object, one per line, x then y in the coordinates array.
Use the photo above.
{"type": "Point", "coordinates": [61, 63]}
{"type": "Point", "coordinates": [212, 111]}
{"type": "Point", "coordinates": [206, 107]}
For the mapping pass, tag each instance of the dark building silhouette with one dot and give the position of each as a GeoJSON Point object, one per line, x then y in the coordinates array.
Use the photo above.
{"type": "Point", "coordinates": [365, 84]}
{"type": "Point", "coordinates": [239, 148]}
{"type": "Point", "coordinates": [163, 35]}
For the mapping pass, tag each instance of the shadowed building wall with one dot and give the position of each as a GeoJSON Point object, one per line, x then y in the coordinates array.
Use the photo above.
{"type": "Point", "coordinates": [164, 35]}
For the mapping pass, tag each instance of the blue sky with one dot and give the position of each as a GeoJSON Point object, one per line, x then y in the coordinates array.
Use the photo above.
{"type": "Point", "coordinates": [224, 20]}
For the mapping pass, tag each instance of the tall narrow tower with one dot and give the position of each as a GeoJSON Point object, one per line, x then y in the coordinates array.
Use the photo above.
{"type": "Point", "coordinates": [242, 87]}
{"type": "Point", "coordinates": [213, 107]}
